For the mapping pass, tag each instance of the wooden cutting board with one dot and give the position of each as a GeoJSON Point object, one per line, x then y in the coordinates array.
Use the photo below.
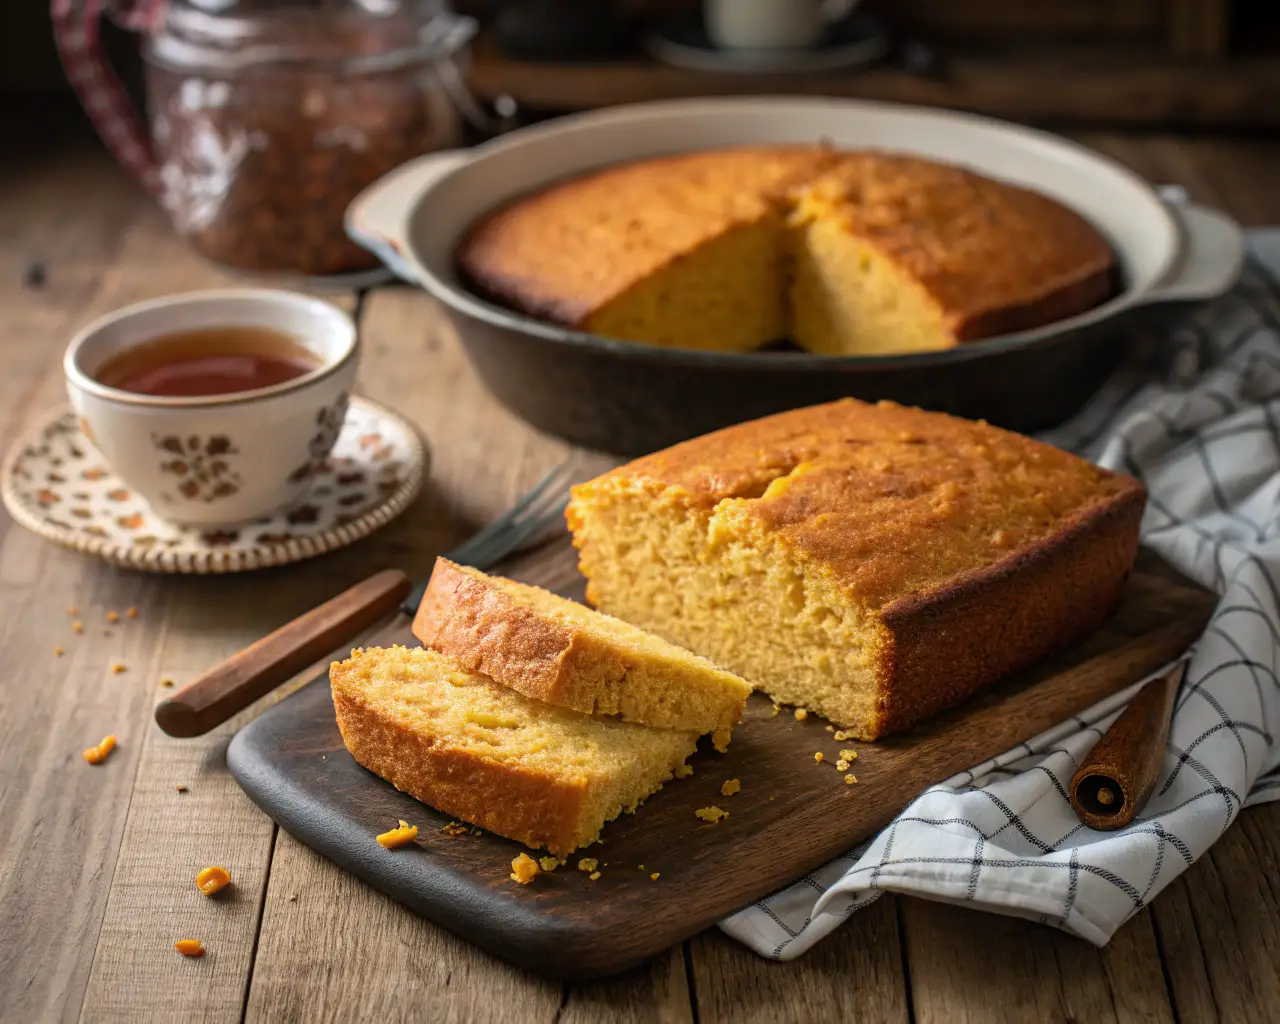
{"type": "Point", "coordinates": [792, 814]}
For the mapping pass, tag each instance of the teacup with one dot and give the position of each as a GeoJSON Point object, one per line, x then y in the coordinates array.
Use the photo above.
{"type": "Point", "coordinates": [216, 459]}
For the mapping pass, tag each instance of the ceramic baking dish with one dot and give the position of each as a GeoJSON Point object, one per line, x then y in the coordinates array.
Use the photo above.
{"type": "Point", "coordinates": [629, 398]}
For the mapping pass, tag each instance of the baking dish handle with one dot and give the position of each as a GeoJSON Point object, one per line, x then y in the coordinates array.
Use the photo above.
{"type": "Point", "coordinates": [378, 218]}
{"type": "Point", "coordinates": [1212, 252]}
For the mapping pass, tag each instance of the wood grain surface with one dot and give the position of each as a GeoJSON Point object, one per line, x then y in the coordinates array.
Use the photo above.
{"type": "Point", "coordinates": [792, 814]}
{"type": "Point", "coordinates": [97, 864]}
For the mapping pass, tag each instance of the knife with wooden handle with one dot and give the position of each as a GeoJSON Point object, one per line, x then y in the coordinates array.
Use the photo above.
{"type": "Point", "coordinates": [257, 670]}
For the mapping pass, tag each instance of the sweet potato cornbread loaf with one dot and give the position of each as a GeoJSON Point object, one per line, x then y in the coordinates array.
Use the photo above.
{"type": "Point", "coordinates": [476, 750]}
{"type": "Point", "coordinates": [847, 252]}
{"type": "Point", "coordinates": [561, 652]}
{"type": "Point", "coordinates": [872, 563]}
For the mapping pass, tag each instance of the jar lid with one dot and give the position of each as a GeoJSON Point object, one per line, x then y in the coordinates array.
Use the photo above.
{"type": "Point", "coordinates": [356, 35]}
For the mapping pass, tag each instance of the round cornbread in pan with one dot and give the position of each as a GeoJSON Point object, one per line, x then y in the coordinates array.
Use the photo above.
{"type": "Point", "coordinates": [872, 563]}
{"type": "Point", "coordinates": [847, 252]}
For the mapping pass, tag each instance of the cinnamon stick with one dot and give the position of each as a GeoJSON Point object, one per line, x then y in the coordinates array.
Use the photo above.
{"type": "Point", "coordinates": [1113, 783]}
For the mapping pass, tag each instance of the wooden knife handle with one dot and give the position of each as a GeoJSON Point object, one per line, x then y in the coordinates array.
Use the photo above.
{"type": "Point", "coordinates": [1115, 780]}
{"type": "Point", "coordinates": [257, 670]}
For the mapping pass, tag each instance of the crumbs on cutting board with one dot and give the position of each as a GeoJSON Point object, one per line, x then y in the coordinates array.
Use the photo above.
{"type": "Point", "coordinates": [398, 837]}
{"type": "Point", "coordinates": [711, 814]}
{"type": "Point", "coordinates": [524, 869]}
{"type": "Point", "coordinates": [730, 787]}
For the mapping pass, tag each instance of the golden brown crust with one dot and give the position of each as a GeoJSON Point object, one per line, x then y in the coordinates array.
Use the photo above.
{"type": "Point", "coordinates": [982, 625]}
{"type": "Point", "coordinates": [994, 258]}
{"type": "Point", "coordinates": [887, 499]}
{"type": "Point", "coordinates": [536, 808]}
{"type": "Point", "coordinates": [485, 631]}
{"type": "Point", "coordinates": [563, 253]}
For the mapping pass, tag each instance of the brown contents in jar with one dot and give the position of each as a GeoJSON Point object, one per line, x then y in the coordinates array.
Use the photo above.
{"type": "Point", "coordinates": [260, 161]}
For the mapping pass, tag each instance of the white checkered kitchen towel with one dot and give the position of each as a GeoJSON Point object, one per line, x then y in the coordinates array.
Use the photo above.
{"type": "Point", "coordinates": [1198, 420]}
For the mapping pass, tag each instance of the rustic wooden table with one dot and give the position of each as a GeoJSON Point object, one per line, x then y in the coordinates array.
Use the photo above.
{"type": "Point", "coordinates": [96, 863]}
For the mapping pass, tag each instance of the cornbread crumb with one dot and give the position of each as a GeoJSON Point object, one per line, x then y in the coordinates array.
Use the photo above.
{"type": "Point", "coordinates": [720, 739]}
{"type": "Point", "coordinates": [801, 714]}
{"type": "Point", "coordinates": [189, 947]}
{"type": "Point", "coordinates": [213, 879]}
{"type": "Point", "coordinates": [819, 756]}
{"type": "Point", "coordinates": [77, 627]}
{"type": "Point", "coordinates": [849, 780]}
{"type": "Point", "coordinates": [73, 609]}
{"type": "Point", "coordinates": [113, 616]}
{"type": "Point", "coordinates": [639, 867]}
{"type": "Point", "coordinates": [829, 727]}
{"type": "Point", "coordinates": [118, 667]}
{"type": "Point", "coordinates": [398, 837]}
{"type": "Point", "coordinates": [655, 876]}
{"type": "Point", "coordinates": [98, 754]}
{"type": "Point", "coordinates": [548, 863]}
{"type": "Point", "coordinates": [841, 765]}
{"type": "Point", "coordinates": [588, 864]}
{"type": "Point", "coordinates": [594, 875]}
{"type": "Point", "coordinates": [730, 787]}
{"type": "Point", "coordinates": [524, 869]}
{"type": "Point", "coordinates": [166, 682]}
{"type": "Point", "coordinates": [132, 612]}
{"type": "Point", "coordinates": [774, 712]}
{"type": "Point", "coordinates": [57, 652]}
{"type": "Point", "coordinates": [683, 770]}
{"type": "Point", "coordinates": [849, 754]}
{"type": "Point", "coordinates": [841, 734]}
{"type": "Point", "coordinates": [711, 814]}
{"type": "Point", "coordinates": [180, 789]}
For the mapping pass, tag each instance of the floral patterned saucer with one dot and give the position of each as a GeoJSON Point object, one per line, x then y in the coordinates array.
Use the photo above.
{"type": "Point", "coordinates": [56, 484]}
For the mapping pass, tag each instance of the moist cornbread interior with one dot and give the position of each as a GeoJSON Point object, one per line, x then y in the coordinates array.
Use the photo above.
{"type": "Point", "coordinates": [846, 252]}
{"type": "Point", "coordinates": [562, 652]}
{"type": "Point", "coordinates": [473, 749]}
{"type": "Point", "coordinates": [835, 556]}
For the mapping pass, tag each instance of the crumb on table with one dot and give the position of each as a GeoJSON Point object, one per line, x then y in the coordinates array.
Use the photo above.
{"type": "Point", "coordinates": [655, 876]}
{"type": "Point", "coordinates": [801, 714]}
{"type": "Point", "coordinates": [588, 864]}
{"type": "Point", "coordinates": [730, 787]}
{"type": "Point", "coordinates": [57, 652]}
{"type": "Point", "coordinates": [711, 814]}
{"type": "Point", "coordinates": [117, 667]}
{"type": "Point", "coordinates": [77, 627]}
{"type": "Point", "coordinates": [594, 876]}
{"type": "Point", "coordinates": [548, 863]}
{"type": "Point", "coordinates": [98, 754]}
{"type": "Point", "coordinates": [189, 947]}
{"type": "Point", "coordinates": [849, 780]}
{"type": "Point", "coordinates": [683, 770]}
{"type": "Point", "coordinates": [180, 789]}
{"type": "Point", "coordinates": [819, 756]}
{"type": "Point", "coordinates": [113, 616]}
{"type": "Point", "coordinates": [132, 612]}
{"type": "Point", "coordinates": [524, 869]}
{"type": "Point", "coordinates": [166, 682]}
{"type": "Point", "coordinates": [849, 754]}
{"type": "Point", "coordinates": [213, 879]}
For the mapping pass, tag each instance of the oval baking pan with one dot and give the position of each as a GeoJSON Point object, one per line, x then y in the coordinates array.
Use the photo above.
{"type": "Point", "coordinates": [628, 398]}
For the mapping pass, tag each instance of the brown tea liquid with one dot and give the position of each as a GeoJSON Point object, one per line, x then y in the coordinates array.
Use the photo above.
{"type": "Point", "coordinates": [208, 361]}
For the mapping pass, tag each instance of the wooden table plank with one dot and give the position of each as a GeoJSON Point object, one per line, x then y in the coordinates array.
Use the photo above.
{"type": "Point", "coordinates": [1009, 970]}
{"type": "Point", "coordinates": [62, 819]}
{"type": "Point", "coordinates": [855, 974]}
{"type": "Point", "coordinates": [1219, 925]}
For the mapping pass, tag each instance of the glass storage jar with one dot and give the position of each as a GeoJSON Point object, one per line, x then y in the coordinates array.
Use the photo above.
{"type": "Point", "coordinates": [269, 116]}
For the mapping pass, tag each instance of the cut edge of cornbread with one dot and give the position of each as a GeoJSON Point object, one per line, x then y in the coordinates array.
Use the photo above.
{"type": "Point", "coordinates": [559, 651]}
{"type": "Point", "coordinates": [477, 751]}
{"type": "Point", "coordinates": [706, 572]}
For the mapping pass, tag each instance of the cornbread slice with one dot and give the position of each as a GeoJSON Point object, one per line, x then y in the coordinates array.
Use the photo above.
{"type": "Point", "coordinates": [848, 252]}
{"type": "Point", "coordinates": [478, 751]}
{"type": "Point", "coordinates": [561, 652]}
{"type": "Point", "coordinates": [872, 563]}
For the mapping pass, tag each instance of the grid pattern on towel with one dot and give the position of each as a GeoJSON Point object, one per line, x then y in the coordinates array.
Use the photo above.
{"type": "Point", "coordinates": [1196, 416]}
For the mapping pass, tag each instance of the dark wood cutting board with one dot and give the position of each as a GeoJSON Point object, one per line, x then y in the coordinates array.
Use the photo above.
{"type": "Point", "coordinates": [792, 814]}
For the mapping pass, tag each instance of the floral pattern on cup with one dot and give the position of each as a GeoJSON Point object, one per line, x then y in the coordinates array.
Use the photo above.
{"type": "Point", "coordinates": [329, 421]}
{"type": "Point", "coordinates": [201, 466]}
{"type": "Point", "coordinates": [57, 486]}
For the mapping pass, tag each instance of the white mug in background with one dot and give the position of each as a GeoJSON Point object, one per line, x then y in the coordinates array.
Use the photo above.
{"type": "Point", "coordinates": [222, 459]}
{"type": "Point", "coordinates": [771, 24]}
